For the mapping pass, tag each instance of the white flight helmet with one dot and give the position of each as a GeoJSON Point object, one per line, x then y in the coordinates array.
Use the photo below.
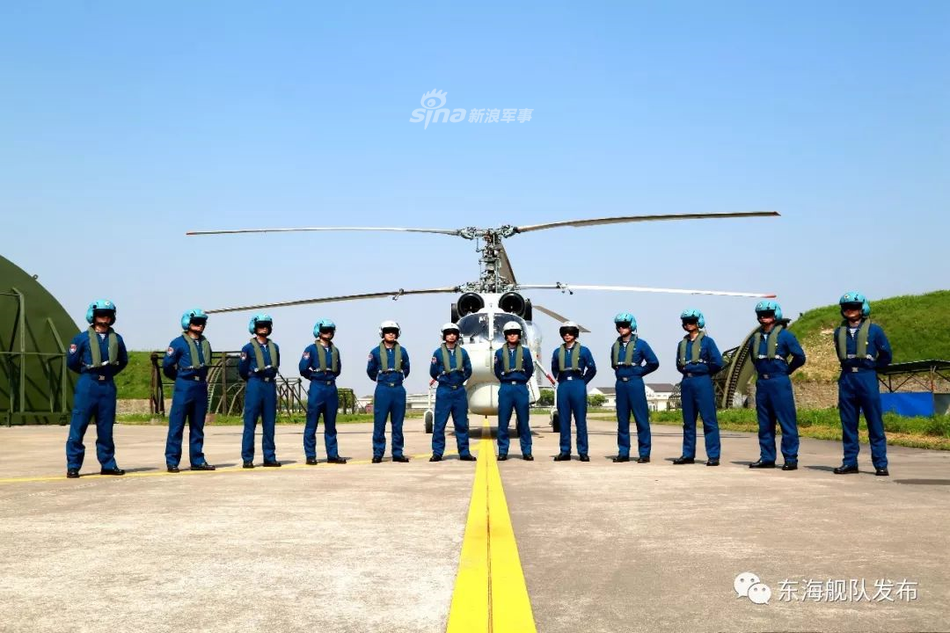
{"type": "Point", "coordinates": [450, 327]}
{"type": "Point", "coordinates": [512, 326]}
{"type": "Point", "coordinates": [388, 325]}
{"type": "Point", "coordinates": [568, 326]}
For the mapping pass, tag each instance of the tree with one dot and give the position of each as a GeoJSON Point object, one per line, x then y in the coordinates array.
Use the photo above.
{"type": "Point", "coordinates": [596, 400]}
{"type": "Point", "coordinates": [546, 399]}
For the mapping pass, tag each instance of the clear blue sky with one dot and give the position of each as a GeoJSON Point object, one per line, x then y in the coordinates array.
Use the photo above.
{"type": "Point", "coordinates": [125, 124]}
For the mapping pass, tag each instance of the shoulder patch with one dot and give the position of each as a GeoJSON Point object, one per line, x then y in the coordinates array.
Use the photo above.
{"type": "Point", "coordinates": [370, 357]}
{"type": "Point", "coordinates": [170, 351]}
{"type": "Point", "coordinates": [73, 348]}
{"type": "Point", "coordinates": [243, 355]}
{"type": "Point", "coordinates": [306, 355]}
{"type": "Point", "coordinates": [434, 361]}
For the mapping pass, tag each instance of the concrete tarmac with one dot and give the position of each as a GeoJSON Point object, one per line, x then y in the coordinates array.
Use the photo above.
{"type": "Point", "coordinates": [359, 547]}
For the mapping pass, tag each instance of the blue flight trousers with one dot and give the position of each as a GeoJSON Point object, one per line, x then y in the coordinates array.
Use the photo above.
{"type": "Point", "coordinates": [189, 400]}
{"type": "Point", "coordinates": [513, 397]}
{"type": "Point", "coordinates": [93, 398]}
{"type": "Point", "coordinates": [775, 401]}
{"type": "Point", "coordinates": [699, 397]}
{"type": "Point", "coordinates": [632, 397]}
{"type": "Point", "coordinates": [323, 399]}
{"type": "Point", "coordinates": [861, 391]}
{"type": "Point", "coordinates": [454, 401]}
{"type": "Point", "coordinates": [388, 401]}
{"type": "Point", "coordinates": [260, 401]}
{"type": "Point", "coordinates": [572, 402]}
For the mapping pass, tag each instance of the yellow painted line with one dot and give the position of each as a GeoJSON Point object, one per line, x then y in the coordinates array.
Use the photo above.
{"type": "Point", "coordinates": [490, 591]}
{"type": "Point", "coordinates": [185, 473]}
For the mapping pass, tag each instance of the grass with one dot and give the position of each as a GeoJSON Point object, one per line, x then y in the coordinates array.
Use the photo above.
{"type": "Point", "coordinates": [135, 381]}
{"type": "Point", "coordinates": [902, 319]}
{"type": "Point", "coordinates": [236, 420]}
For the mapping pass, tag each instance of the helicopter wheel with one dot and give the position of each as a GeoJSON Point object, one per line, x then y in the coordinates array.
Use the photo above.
{"type": "Point", "coordinates": [428, 417]}
{"type": "Point", "coordinates": [555, 422]}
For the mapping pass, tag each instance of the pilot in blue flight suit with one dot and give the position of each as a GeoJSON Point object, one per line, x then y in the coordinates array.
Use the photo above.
{"type": "Point", "coordinates": [259, 362]}
{"type": "Point", "coordinates": [96, 355]}
{"type": "Point", "coordinates": [186, 362]}
{"type": "Point", "coordinates": [863, 349]}
{"type": "Point", "coordinates": [451, 367]}
{"type": "Point", "coordinates": [321, 365]}
{"type": "Point", "coordinates": [388, 366]}
{"type": "Point", "coordinates": [513, 368]}
{"type": "Point", "coordinates": [632, 359]}
{"type": "Point", "coordinates": [573, 366]}
{"type": "Point", "coordinates": [698, 358]}
{"type": "Point", "coordinates": [770, 348]}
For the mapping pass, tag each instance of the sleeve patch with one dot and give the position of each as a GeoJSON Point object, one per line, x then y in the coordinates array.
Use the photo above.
{"type": "Point", "coordinates": [434, 361]}
{"type": "Point", "coordinates": [306, 355]}
{"type": "Point", "coordinates": [243, 355]}
{"type": "Point", "coordinates": [73, 348]}
{"type": "Point", "coordinates": [170, 351]}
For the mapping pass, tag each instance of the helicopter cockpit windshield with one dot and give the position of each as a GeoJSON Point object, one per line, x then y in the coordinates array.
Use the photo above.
{"type": "Point", "coordinates": [474, 328]}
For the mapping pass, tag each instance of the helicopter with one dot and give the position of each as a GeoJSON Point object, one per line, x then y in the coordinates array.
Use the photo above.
{"type": "Point", "coordinates": [485, 305]}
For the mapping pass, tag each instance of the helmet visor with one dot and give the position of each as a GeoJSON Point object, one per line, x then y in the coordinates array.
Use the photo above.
{"type": "Point", "coordinates": [852, 305]}
{"type": "Point", "coordinates": [324, 329]}
{"type": "Point", "coordinates": [765, 314]}
{"type": "Point", "coordinates": [691, 320]}
{"type": "Point", "coordinates": [391, 330]}
{"type": "Point", "coordinates": [623, 325]}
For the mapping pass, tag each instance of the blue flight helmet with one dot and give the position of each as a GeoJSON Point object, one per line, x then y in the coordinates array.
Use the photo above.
{"type": "Point", "coordinates": [321, 325]}
{"type": "Point", "coordinates": [626, 317]}
{"type": "Point", "coordinates": [769, 306]}
{"type": "Point", "coordinates": [193, 314]}
{"type": "Point", "coordinates": [693, 313]}
{"type": "Point", "coordinates": [99, 305]}
{"type": "Point", "coordinates": [855, 297]}
{"type": "Point", "coordinates": [260, 319]}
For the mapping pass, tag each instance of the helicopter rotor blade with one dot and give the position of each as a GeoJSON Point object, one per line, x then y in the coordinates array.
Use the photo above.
{"type": "Point", "coordinates": [645, 218]}
{"type": "Point", "coordinates": [558, 317]}
{"type": "Point", "coordinates": [456, 232]}
{"type": "Point", "coordinates": [506, 269]}
{"type": "Point", "coordinates": [395, 294]}
{"type": "Point", "coordinates": [716, 293]}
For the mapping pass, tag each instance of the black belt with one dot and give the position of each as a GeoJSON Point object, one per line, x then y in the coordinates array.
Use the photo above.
{"type": "Point", "coordinates": [321, 382]}
{"type": "Point", "coordinates": [262, 378]}
{"type": "Point", "coordinates": [450, 386]}
{"type": "Point", "coordinates": [389, 384]}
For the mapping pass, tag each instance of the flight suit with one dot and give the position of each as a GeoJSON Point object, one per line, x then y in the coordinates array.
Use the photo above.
{"type": "Point", "coordinates": [97, 358]}
{"type": "Point", "coordinates": [258, 366]}
{"type": "Point", "coordinates": [389, 399]}
{"type": "Point", "coordinates": [632, 361]}
{"type": "Point", "coordinates": [573, 368]}
{"type": "Point", "coordinates": [186, 362]}
{"type": "Point", "coordinates": [513, 395]}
